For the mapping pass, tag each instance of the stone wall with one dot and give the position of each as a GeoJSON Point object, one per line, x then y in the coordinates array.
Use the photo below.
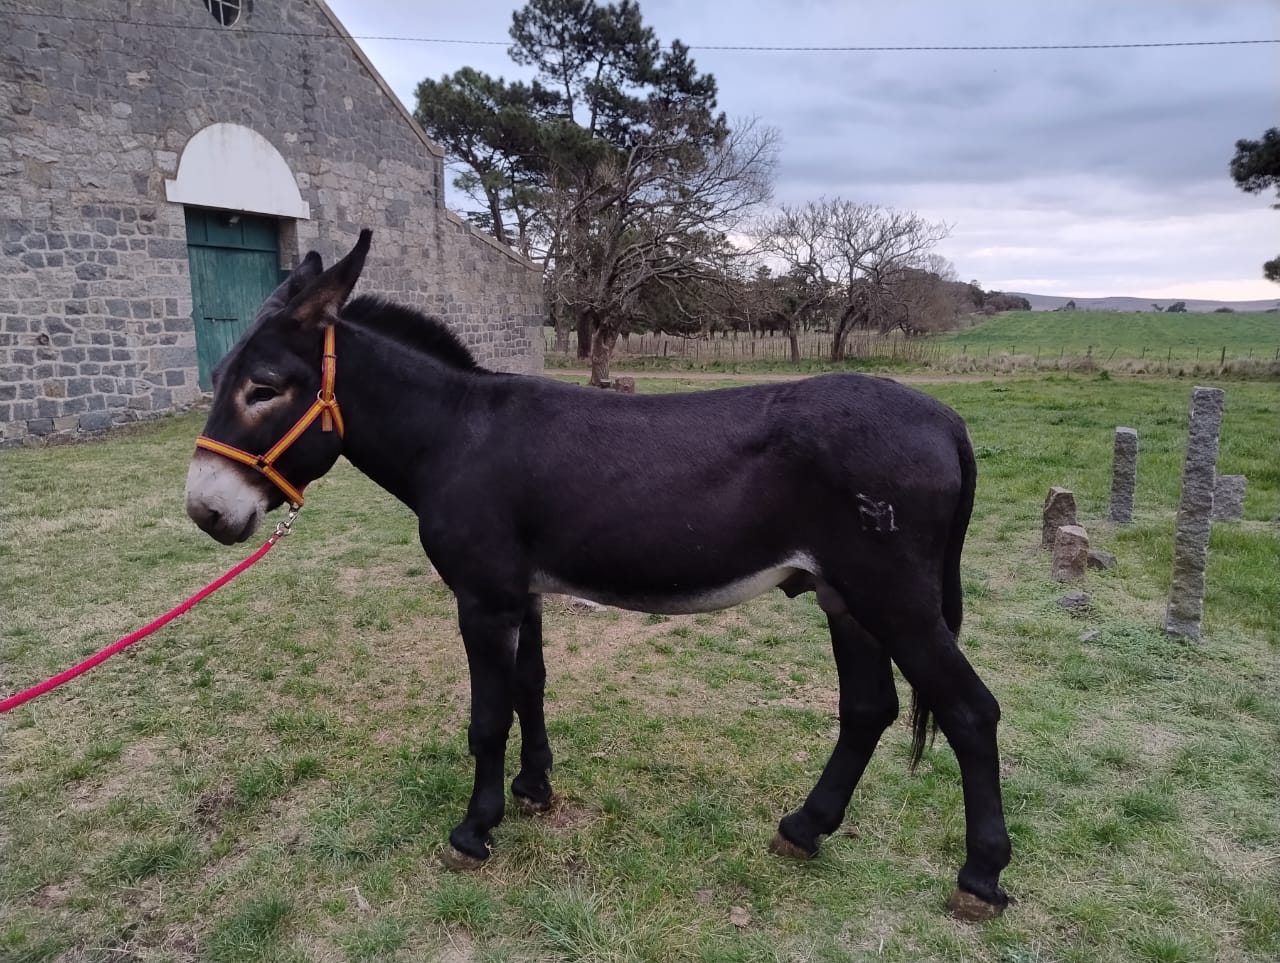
{"type": "Point", "coordinates": [95, 294]}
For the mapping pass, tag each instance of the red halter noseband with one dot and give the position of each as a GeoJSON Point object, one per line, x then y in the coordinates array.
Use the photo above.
{"type": "Point", "coordinates": [325, 407]}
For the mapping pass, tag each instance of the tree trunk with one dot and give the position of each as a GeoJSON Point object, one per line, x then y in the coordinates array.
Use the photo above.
{"type": "Point", "coordinates": [603, 338]}
{"type": "Point", "coordinates": [584, 332]}
{"type": "Point", "coordinates": [841, 333]}
{"type": "Point", "coordinates": [495, 212]}
{"type": "Point", "coordinates": [562, 334]}
{"type": "Point", "coordinates": [795, 346]}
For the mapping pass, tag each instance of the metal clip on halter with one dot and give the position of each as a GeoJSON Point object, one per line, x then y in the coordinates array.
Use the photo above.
{"type": "Point", "coordinates": [283, 528]}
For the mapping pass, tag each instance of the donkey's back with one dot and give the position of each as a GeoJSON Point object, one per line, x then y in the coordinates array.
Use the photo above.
{"type": "Point", "coordinates": [690, 502]}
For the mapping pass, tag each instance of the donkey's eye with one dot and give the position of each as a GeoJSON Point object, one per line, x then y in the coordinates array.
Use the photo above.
{"type": "Point", "coordinates": [260, 393]}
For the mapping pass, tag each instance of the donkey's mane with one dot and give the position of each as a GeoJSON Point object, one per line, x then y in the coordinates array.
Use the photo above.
{"type": "Point", "coordinates": [411, 328]}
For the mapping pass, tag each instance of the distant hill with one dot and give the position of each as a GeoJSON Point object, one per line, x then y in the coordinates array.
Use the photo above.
{"type": "Point", "coordinates": [1047, 302]}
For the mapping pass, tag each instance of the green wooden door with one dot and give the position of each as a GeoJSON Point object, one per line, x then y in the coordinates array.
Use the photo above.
{"type": "Point", "coordinates": [235, 264]}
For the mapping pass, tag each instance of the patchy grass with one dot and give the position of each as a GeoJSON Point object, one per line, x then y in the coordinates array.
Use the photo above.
{"type": "Point", "coordinates": [272, 777]}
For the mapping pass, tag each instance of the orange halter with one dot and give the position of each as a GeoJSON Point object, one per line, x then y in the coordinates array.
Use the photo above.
{"type": "Point", "coordinates": [325, 407]}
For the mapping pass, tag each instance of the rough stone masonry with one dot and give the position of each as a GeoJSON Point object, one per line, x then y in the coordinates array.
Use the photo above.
{"type": "Point", "coordinates": [1195, 514]}
{"type": "Point", "coordinates": [1124, 475]}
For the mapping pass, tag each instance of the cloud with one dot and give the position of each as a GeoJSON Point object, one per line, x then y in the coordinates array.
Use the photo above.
{"type": "Point", "coordinates": [1102, 171]}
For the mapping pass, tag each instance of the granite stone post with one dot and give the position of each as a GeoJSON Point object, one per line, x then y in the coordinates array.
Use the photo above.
{"type": "Point", "coordinates": [1070, 554]}
{"type": "Point", "coordinates": [1124, 475]}
{"type": "Point", "coordinates": [1195, 512]}
{"type": "Point", "coordinates": [1059, 510]}
{"type": "Point", "coordinates": [1228, 498]}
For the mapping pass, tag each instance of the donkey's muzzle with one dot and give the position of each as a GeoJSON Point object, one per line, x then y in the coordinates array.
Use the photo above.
{"type": "Point", "coordinates": [221, 501]}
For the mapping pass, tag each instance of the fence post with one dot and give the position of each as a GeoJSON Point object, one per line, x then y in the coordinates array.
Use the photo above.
{"type": "Point", "coordinates": [1223, 360]}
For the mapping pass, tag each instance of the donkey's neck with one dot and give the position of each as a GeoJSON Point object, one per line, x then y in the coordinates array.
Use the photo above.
{"type": "Point", "coordinates": [403, 412]}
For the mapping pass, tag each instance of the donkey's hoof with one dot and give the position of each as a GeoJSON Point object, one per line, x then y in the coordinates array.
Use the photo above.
{"type": "Point", "coordinates": [531, 807]}
{"type": "Point", "coordinates": [455, 859]}
{"type": "Point", "coordinates": [781, 846]}
{"type": "Point", "coordinates": [965, 906]}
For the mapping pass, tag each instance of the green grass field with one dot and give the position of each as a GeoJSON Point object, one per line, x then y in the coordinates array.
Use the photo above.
{"type": "Point", "coordinates": [1126, 335]}
{"type": "Point", "coordinates": [1191, 345]}
{"type": "Point", "coordinates": [272, 777]}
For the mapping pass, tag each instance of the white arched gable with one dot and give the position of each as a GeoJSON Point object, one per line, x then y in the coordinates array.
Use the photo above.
{"type": "Point", "coordinates": [235, 168]}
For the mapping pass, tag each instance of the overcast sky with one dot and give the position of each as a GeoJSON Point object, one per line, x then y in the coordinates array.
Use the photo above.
{"type": "Point", "coordinates": [1086, 173]}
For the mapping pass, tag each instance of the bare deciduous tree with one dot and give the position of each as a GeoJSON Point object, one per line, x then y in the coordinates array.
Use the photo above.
{"type": "Point", "coordinates": [862, 250]}
{"type": "Point", "coordinates": [928, 296]}
{"type": "Point", "coordinates": [796, 238]}
{"type": "Point", "coordinates": [648, 225]}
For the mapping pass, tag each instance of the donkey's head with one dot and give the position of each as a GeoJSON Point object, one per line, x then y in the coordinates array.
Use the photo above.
{"type": "Point", "coordinates": [259, 449]}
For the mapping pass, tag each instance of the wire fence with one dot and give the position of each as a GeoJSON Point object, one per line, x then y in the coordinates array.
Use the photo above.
{"type": "Point", "coordinates": [816, 347]}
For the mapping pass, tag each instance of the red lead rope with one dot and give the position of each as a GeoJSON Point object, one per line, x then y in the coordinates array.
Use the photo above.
{"type": "Point", "coordinates": [38, 690]}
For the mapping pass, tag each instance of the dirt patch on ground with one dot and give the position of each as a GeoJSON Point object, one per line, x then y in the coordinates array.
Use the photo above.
{"type": "Point", "coordinates": [819, 698]}
{"type": "Point", "coordinates": [577, 639]}
{"type": "Point", "coordinates": [422, 649]}
{"type": "Point", "coordinates": [52, 896]}
{"type": "Point", "coordinates": [211, 805]}
{"type": "Point", "coordinates": [182, 942]}
{"type": "Point", "coordinates": [353, 580]}
{"type": "Point", "coordinates": [1234, 860]}
{"type": "Point", "coordinates": [1155, 743]}
{"type": "Point", "coordinates": [565, 815]}
{"type": "Point", "coordinates": [879, 931]}
{"type": "Point", "coordinates": [135, 771]}
{"type": "Point", "coordinates": [459, 949]}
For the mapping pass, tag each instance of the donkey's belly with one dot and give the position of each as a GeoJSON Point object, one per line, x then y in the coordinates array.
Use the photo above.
{"type": "Point", "coordinates": [678, 601]}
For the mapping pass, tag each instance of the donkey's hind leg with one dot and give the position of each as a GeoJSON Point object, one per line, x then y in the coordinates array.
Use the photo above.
{"type": "Point", "coordinates": [868, 705]}
{"type": "Point", "coordinates": [967, 714]}
{"type": "Point", "coordinates": [531, 789]}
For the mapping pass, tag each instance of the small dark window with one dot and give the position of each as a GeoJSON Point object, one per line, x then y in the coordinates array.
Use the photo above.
{"type": "Point", "coordinates": [226, 12]}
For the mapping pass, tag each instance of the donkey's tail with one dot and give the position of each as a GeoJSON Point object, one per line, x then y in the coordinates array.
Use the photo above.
{"type": "Point", "coordinates": [952, 593]}
{"type": "Point", "coordinates": [923, 726]}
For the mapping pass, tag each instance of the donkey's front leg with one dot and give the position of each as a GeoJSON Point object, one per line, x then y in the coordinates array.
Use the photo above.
{"type": "Point", "coordinates": [531, 789]}
{"type": "Point", "coordinates": [490, 634]}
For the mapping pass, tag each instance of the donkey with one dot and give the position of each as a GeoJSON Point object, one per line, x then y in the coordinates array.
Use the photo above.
{"type": "Point", "coordinates": [856, 488]}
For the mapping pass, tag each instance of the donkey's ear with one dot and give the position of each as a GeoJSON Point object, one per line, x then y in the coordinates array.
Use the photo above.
{"type": "Point", "coordinates": [310, 267]}
{"type": "Point", "coordinates": [320, 299]}
{"type": "Point", "coordinates": [284, 293]}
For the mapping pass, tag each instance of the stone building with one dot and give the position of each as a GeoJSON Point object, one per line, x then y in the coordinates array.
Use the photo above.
{"type": "Point", "coordinates": [162, 161]}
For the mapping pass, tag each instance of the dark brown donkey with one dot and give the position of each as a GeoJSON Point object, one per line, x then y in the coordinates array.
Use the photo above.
{"type": "Point", "coordinates": [856, 488]}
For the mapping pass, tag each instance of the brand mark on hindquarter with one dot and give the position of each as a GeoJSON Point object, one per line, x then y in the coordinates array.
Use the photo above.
{"type": "Point", "coordinates": [876, 516]}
